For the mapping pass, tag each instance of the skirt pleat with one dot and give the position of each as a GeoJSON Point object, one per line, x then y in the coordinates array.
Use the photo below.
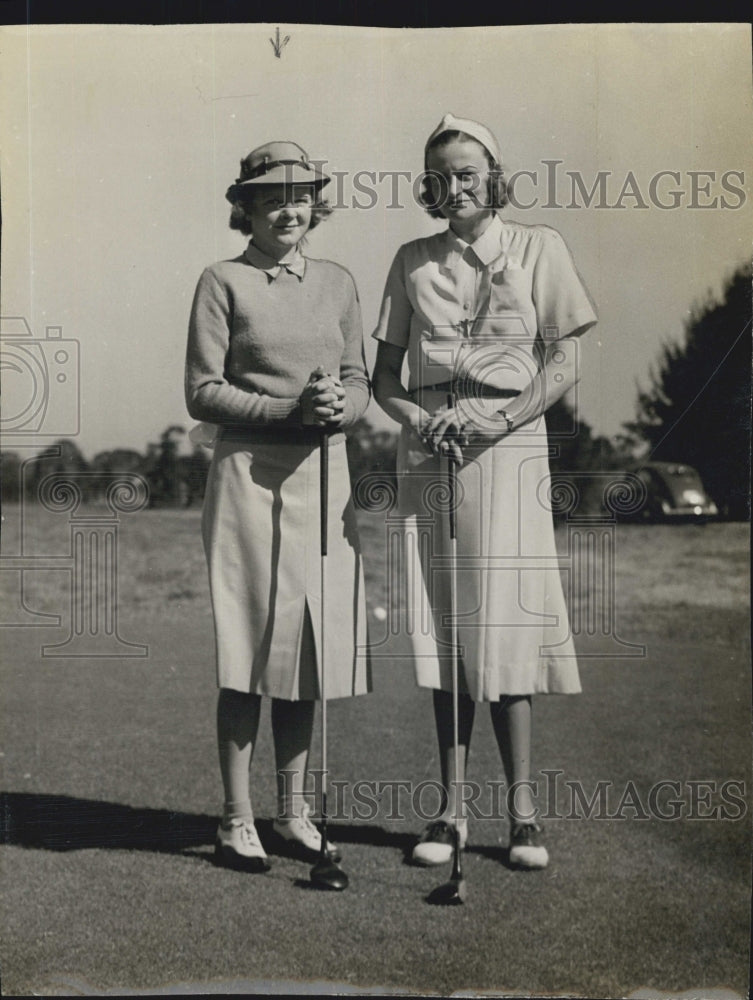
{"type": "Point", "coordinates": [261, 531]}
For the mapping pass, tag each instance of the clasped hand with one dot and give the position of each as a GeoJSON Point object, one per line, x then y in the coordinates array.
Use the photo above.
{"type": "Point", "coordinates": [322, 400]}
{"type": "Point", "coordinates": [445, 432]}
{"type": "Point", "coordinates": [451, 428]}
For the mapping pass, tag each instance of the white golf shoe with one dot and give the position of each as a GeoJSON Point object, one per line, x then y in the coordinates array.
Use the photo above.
{"type": "Point", "coordinates": [238, 846]}
{"type": "Point", "coordinates": [438, 842]}
{"type": "Point", "coordinates": [526, 848]}
{"type": "Point", "coordinates": [302, 836]}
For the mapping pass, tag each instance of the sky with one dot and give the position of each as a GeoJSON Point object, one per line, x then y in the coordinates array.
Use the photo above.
{"type": "Point", "coordinates": [118, 143]}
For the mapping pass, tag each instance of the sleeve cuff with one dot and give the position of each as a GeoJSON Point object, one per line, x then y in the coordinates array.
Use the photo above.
{"type": "Point", "coordinates": [356, 402]}
{"type": "Point", "coordinates": [283, 410]}
{"type": "Point", "coordinates": [385, 337]}
{"type": "Point", "coordinates": [580, 322]}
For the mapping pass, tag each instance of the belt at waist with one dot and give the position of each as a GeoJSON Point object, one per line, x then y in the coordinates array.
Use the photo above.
{"type": "Point", "coordinates": [467, 388]}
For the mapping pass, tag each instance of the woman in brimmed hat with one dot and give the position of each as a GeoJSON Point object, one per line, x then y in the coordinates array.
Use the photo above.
{"type": "Point", "coordinates": [488, 312]}
{"type": "Point", "coordinates": [274, 355]}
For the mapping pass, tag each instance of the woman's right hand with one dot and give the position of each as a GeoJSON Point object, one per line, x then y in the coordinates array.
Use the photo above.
{"type": "Point", "coordinates": [322, 400]}
{"type": "Point", "coordinates": [444, 433]}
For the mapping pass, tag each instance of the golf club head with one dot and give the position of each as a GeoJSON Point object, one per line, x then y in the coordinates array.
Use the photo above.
{"type": "Point", "coordinates": [450, 893]}
{"type": "Point", "coordinates": [326, 874]}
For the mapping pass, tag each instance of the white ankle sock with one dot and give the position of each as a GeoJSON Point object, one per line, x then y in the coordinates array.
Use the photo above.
{"type": "Point", "coordinates": [237, 810]}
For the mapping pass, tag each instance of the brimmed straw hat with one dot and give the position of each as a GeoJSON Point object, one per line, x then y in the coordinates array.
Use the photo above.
{"type": "Point", "coordinates": [276, 163]}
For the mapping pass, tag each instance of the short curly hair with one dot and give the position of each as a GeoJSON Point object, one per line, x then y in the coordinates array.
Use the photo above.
{"type": "Point", "coordinates": [241, 220]}
{"type": "Point", "coordinates": [497, 190]}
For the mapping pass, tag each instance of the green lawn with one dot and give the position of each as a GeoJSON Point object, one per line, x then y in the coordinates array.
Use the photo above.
{"type": "Point", "coordinates": [112, 793]}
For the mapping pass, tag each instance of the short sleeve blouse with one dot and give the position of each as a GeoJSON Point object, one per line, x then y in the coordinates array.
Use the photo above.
{"type": "Point", "coordinates": [482, 310]}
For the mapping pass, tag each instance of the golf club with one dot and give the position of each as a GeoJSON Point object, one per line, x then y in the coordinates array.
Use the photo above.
{"type": "Point", "coordinates": [326, 873]}
{"type": "Point", "coordinates": [453, 892]}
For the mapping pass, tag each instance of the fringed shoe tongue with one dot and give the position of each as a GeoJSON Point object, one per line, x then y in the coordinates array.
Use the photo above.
{"type": "Point", "coordinates": [238, 846]}
{"type": "Point", "coordinates": [300, 832]}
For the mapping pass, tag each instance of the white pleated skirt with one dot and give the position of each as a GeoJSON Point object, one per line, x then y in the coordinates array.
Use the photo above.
{"type": "Point", "coordinates": [513, 629]}
{"type": "Point", "coordinates": [261, 531]}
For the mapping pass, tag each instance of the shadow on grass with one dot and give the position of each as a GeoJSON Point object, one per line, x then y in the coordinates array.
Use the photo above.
{"type": "Point", "coordinates": [65, 823]}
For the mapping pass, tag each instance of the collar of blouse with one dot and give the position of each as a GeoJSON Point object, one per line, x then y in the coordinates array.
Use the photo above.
{"type": "Point", "coordinates": [487, 248]}
{"type": "Point", "coordinates": [293, 263]}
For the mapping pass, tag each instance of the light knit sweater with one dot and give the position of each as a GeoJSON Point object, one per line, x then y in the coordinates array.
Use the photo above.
{"type": "Point", "coordinates": [254, 338]}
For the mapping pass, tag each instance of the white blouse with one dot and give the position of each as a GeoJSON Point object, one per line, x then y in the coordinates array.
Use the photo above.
{"type": "Point", "coordinates": [482, 311]}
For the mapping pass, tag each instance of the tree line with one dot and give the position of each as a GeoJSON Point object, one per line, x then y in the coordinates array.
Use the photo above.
{"type": "Point", "coordinates": [177, 479]}
{"type": "Point", "coordinates": [173, 478]}
{"type": "Point", "coordinates": [695, 410]}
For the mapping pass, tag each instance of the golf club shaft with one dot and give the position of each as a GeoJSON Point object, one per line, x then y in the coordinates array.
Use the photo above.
{"type": "Point", "coordinates": [323, 509]}
{"type": "Point", "coordinates": [452, 500]}
{"type": "Point", "coordinates": [454, 637]}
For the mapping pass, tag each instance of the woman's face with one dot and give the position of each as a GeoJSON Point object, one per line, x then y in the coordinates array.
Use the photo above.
{"type": "Point", "coordinates": [280, 217]}
{"type": "Point", "coordinates": [462, 187]}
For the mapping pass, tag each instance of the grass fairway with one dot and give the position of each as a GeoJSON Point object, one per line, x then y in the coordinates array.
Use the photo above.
{"type": "Point", "coordinates": [112, 791]}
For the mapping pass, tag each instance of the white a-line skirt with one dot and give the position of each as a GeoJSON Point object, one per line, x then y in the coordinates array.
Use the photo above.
{"type": "Point", "coordinates": [261, 531]}
{"type": "Point", "coordinates": [513, 629]}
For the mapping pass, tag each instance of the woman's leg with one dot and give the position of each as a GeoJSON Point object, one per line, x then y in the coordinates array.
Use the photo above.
{"type": "Point", "coordinates": [435, 845]}
{"type": "Point", "coordinates": [445, 738]}
{"type": "Point", "coordinates": [292, 726]}
{"type": "Point", "coordinates": [237, 727]}
{"type": "Point", "coordinates": [511, 719]}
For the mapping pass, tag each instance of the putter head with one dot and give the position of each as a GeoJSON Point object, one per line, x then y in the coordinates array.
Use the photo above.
{"type": "Point", "coordinates": [326, 874]}
{"type": "Point", "coordinates": [450, 893]}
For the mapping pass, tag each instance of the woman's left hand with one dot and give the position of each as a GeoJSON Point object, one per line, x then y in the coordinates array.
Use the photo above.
{"type": "Point", "coordinates": [446, 432]}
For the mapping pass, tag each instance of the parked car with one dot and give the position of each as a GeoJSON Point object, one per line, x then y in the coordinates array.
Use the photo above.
{"type": "Point", "coordinates": [674, 492]}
